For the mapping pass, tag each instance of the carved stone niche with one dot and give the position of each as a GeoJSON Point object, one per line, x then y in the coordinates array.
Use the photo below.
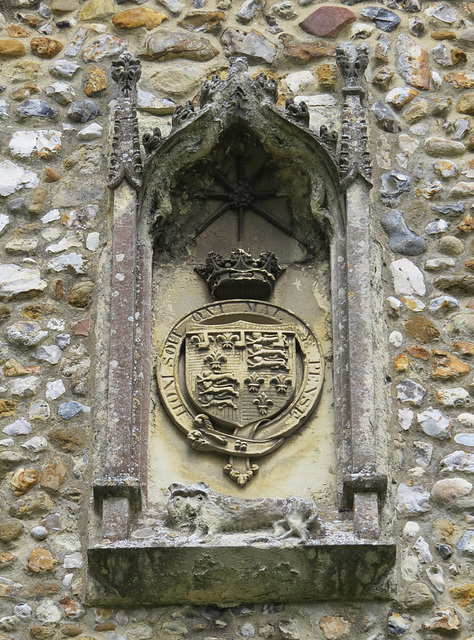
{"type": "Point", "coordinates": [243, 298]}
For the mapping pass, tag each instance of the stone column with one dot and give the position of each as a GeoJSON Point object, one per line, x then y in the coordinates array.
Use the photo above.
{"type": "Point", "coordinates": [364, 482]}
{"type": "Point", "coordinates": [118, 491]}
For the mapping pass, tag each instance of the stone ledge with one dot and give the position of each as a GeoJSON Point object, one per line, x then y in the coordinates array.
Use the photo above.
{"type": "Point", "coordinates": [129, 574]}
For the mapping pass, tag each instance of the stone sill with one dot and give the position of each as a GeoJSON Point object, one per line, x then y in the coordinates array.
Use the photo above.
{"type": "Point", "coordinates": [135, 574]}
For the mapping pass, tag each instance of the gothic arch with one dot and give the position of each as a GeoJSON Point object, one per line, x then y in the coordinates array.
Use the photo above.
{"type": "Point", "coordinates": [337, 169]}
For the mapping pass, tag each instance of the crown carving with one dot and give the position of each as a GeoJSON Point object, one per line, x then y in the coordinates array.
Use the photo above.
{"type": "Point", "coordinates": [240, 275]}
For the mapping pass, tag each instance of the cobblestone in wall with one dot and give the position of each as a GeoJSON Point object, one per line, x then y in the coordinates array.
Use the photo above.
{"type": "Point", "coordinates": [55, 106]}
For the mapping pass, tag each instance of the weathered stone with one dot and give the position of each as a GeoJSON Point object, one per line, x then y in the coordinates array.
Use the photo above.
{"type": "Point", "coordinates": [407, 278]}
{"type": "Point", "coordinates": [451, 209]}
{"type": "Point", "coordinates": [447, 366]}
{"type": "Point", "coordinates": [145, 17]}
{"type": "Point", "coordinates": [412, 303]}
{"type": "Point", "coordinates": [207, 21]}
{"type": "Point", "coordinates": [462, 283]}
{"type": "Point", "coordinates": [383, 77]}
{"type": "Point", "coordinates": [15, 31]}
{"type": "Point", "coordinates": [81, 294]}
{"type": "Point", "coordinates": [440, 54]}
{"type": "Point", "coordinates": [10, 530]}
{"type": "Point", "coordinates": [443, 302]}
{"type": "Point", "coordinates": [95, 81]}
{"type": "Point", "coordinates": [412, 63]}
{"type": "Point", "coordinates": [41, 143]}
{"type": "Point", "coordinates": [39, 560]}
{"type": "Point", "coordinates": [248, 10]}
{"type": "Point", "coordinates": [104, 47]}
{"type": "Point", "coordinates": [464, 348]}
{"type": "Point", "coordinates": [164, 45]}
{"type": "Point", "coordinates": [45, 47]}
{"type": "Point", "coordinates": [417, 111]}
{"type": "Point", "coordinates": [451, 246]}
{"type": "Point", "coordinates": [23, 481]}
{"type": "Point", "coordinates": [63, 68]}
{"type": "Point", "coordinates": [451, 489]}
{"type": "Point", "coordinates": [72, 608]}
{"type": "Point", "coordinates": [401, 362]}
{"type": "Point", "coordinates": [69, 410]}
{"type": "Point", "coordinates": [36, 108]}
{"type": "Point", "coordinates": [284, 10]}
{"type": "Point", "coordinates": [20, 282]}
{"type": "Point", "coordinates": [446, 168]}
{"type": "Point", "coordinates": [151, 104]}
{"type": "Point", "coordinates": [411, 392]}
{"type": "Point", "coordinates": [413, 499]}
{"type": "Point", "coordinates": [403, 5]}
{"type": "Point", "coordinates": [31, 506]}
{"type": "Point", "coordinates": [435, 424]}
{"type": "Point", "coordinates": [61, 92]}
{"type": "Point", "coordinates": [83, 111]}
{"type": "Point", "coordinates": [383, 19]}
{"type": "Point", "coordinates": [385, 118]}
{"type": "Point", "coordinates": [68, 437]}
{"type": "Point", "coordinates": [363, 31]}
{"type": "Point", "coordinates": [304, 51]}
{"type": "Point", "coordinates": [418, 596]}
{"type": "Point", "coordinates": [97, 9]}
{"type": "Point", "coordinates": [21, 244]}
{"type": "Point", "coordinates": [13, 368]}
{"type": "Point", "coordinates": [7, 408]}
{"type": "Point", "coordinates": [394, 185]}
{"type": "Point", "coordinates": [334, 627]}
{"type": "Point", "coordinates": [63, 6]}
{"type": "Point", "coordinates": [422, 329]}
{"type": "Point", "coordinates": [444, 619]}
{"type": "Point", "coordinates": [462, 190]}
{"type": "Point", "coordinates": [460, 80]}
{"type": "Point", "coordinates": [400, 96]}
{"type": "Point", "coordinates": [401, 238]}
{"type": "Point", "coordinates": [327, 21]}
{"type": "Point", "coordinates": [327, 76]}
{"type": "Point", "coordinates": [37, 200]}
{"type": "Point", "coordinates": [12, 49]}
{"type": "Point", "coordinates": [174, 6]}
{"type": "Point", "coordinates": [443, 34]}
{"type": "Point", "coordinates": [254, 45]}
{"type": "Point", "coordinates": [71, 631]}
{"type": "Point", "coordinates": [53, 474]}
{"type": "Point", "coordinates": [25, 388]}
{"type": "Point", "coordinates": [466, 104]}
{"type": "Point", "coordinates": [436, 146]}
{"type": "Point", "coordinates": [464, 594]}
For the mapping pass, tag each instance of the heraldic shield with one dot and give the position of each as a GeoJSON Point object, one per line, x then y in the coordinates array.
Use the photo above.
{"type": "Point", "coordinates": [238, 378]}
{"type": "Point", "coordinates": [242, 374]}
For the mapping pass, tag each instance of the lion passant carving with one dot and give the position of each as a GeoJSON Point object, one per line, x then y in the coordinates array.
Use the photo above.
{"type": "Point", "coordinates": [202, 514]}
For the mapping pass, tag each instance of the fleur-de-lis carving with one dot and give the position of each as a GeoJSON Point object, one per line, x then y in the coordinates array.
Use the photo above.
{"type": "Point", "coordinates": [215, 360]}
{"type": "Point", "coordinates": [227, 340]}
{"type": "Point", "coordinates": [263, 403]}
{"type": "Point", "coordinates": [281, 383]}
{"type": "Point", "coordinates": [253, 382]}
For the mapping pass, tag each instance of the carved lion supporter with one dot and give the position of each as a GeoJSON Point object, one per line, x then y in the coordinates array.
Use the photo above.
{"type": "Point", "coordinates": [199, 512]}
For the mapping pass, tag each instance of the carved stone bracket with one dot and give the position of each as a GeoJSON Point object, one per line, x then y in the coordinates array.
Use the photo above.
{"type": "Point", "coordinates": [353, 154]}
{"type": "Point", "coordinates": [125, 158]}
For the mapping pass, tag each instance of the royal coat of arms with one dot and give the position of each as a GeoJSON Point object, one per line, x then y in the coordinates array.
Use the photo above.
{"type": "Point", "coordinates": [238, 377]}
